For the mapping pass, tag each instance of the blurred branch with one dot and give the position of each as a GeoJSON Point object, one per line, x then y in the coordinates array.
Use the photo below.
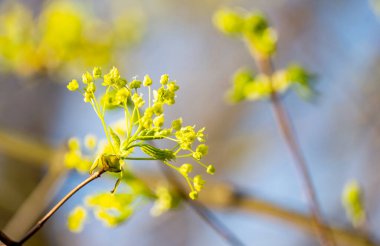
{"type": "Point", "coordinates": [217, 195]}
{"type": "Point", "coordinates": [285, 126]}
{"type": "Point", "coordinates": [39, 199]}
{"type": "Point", "coordinates": [42, 221]}
{"type": "Point", "coordinates": [225, 196]}
{"type": "Point", "coordinates": [5, 240]}
{"type": "Point", "coordinates": [201, 210]}
{"type": "Point", "coordinates": [24, 149]}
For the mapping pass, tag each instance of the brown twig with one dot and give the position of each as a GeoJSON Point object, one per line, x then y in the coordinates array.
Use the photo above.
{"type": "Point", "coordinates": [6, 240]}
{"type": "Point", "coordinates": [42, 221]}
{"type": "Point", "coordinates": [284, 122]}
{"type": "Point", "coordinates": [212, 198]}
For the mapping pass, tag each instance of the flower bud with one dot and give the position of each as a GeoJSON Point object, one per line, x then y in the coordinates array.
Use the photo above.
{"type": "Point", "coordinates": [211, 169]}
{"type": "Point", "coordinates": [186, 168]}
{"type": "Point", "coordinates": [135, 84]}
{"type": "Point", "coordinates": [97, 72]}
{"type": "Point", "coordinates": [159, 121]}
{"type": "Point", "coordinates": [193, 195]}
{"type": "Point", "coordinates": [147, 80]}
{"type": "Point", "coordinates": [177, 124]}
{"type": "Point", "coordinates": [229, 22]}
{"type": "Point", "coordinates": [164, 79]}
{"type": "Point", "coordinates": [87, 78]}
{"type": "Point", "coordinates": [73, 85]}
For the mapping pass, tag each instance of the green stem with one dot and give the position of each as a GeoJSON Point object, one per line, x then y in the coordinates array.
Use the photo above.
{"type": "Point", "coordinates": [149, 95]}
{"type": "Point", "coordinates": [184, 156]}
{"type": "Point", "coordinates": [104, 103]}
{"type": "Point", "coordinates": [127, 116]}
{"type": "Point", "coordinates": [149, 137]}
{"type": "Point", "coordinates": [97, 110]}
{"type": "Point", "coordinates": [139, 158]}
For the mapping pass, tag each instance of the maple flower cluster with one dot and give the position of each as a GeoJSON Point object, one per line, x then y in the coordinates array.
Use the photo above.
{"type": "Point", "coordinates": [134, 138]}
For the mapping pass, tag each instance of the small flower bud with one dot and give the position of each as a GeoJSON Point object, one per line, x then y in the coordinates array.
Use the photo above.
{"type": "Point", "coordinates": [203, 149]}
{"type": "Point", "coordinates": [164, 79]}
{"type": "Point", "coordinates": [172, 86]}
{"type": "Point", "coordinates": [186, 168]}
{"type": "Point", "coordinates": [138, 100]}
{"type": "Point", "coordinates": [229, 22]}
{"type": "Point", "coordinates": [97, 72]}
{"type": "Point", "coordinates": [122, 95]}
{"type": "Point", "coordinates": [210, 169]}
{"type": "Point", "coordinates": [197, 155]}
{"type": "Point", "coordinates": [159, 121]}
{"type": "Point", "coordinates": [120, 83]}
{"type": "Point", "coordinates": [87, 97]}
{"type": "Point", "coordinates": [91, 87]}
{"type": "Point", "coordinates": [177, 124]}
{"type": "Point", "coordinates": [198, 182]}
{"type": "Point", "coordinates": [114, 73]}
{"type": "Point", "coordinates": [193, 195]}
{"type": "Point", "coordinates": [87, 78]}
{"type": "Point", "coordinates": [157, 108]}
{"type": "Point", "coordinates": [135, 84]}
{"type": "Point", "coordinates": [147, 80]}
{"type": "Point", "coordinates": [73, 85]}
{"type": "Point", "coordinates": [201, 136]}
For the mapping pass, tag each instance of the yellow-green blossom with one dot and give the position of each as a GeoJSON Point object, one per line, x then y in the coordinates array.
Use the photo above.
{"type": "Point", "coordinates": [134, 138]}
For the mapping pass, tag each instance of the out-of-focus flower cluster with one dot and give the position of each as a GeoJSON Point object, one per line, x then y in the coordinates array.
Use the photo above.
{"type": "Point", "coordinates": [253, 27]}
{"type": "Point", "coordinates": [261, 39]}
{"type": "Point", "coordinates": [250, 86]}
{"type": "Point", "coordinates": [63, 38]}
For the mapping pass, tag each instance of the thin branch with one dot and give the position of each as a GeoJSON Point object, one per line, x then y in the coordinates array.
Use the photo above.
{"type": "Point", "coordinates": [41, 222]}
{"type": "Point", "coordinates": [5, 240]}
{"type": "Point", "coordinates": [215, 195]}
{"type": "Point", "coordinates": [285, 126]}
{"type": "Point", "coordinates": [202, 211]}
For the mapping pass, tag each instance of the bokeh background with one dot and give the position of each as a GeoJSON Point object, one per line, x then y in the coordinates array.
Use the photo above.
{"type": "Point", "coordinates": [339, 131]}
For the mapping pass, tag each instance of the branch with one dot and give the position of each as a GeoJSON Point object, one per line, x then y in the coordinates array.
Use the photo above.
{"type": "Point", "coordinates": [201, 210]}
{"type": "Point", "coordinates": [284, 123]}
{"type": "Point", "coordinates": [225, 196]}
{"type": "Point", "coordinates": [216, 195]}
{"type": "Point", "coordinates": [6, 240]}
{"type": "Point", "coordinates": [41, 222]}
{"type": "Point", "coordinates": [36, 202]}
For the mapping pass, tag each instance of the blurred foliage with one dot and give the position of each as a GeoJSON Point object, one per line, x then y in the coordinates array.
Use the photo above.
{"type": "Point", "coordinates": [76, 219]}
{"type": "Point", "coordinates": [63, 38]}
{"type": "Point", "coordinates": [254, 29]}
{"type": "Point", "coordinates": [375, 4]}
{"type": "Point", "coordinates": [250, 86]}
{"type": "Point", "coordinates": [352, 200]}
